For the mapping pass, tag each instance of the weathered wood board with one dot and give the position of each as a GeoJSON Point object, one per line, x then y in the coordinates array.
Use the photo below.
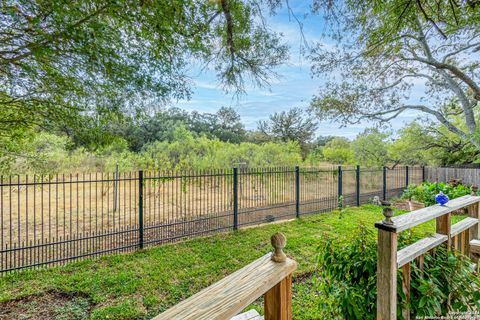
{"type": "Point", "coordinates": [229, 296]}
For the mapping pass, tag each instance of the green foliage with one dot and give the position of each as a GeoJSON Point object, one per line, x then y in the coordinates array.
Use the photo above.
{"type": "Point", "coordinates": [189, 152]}
{"type": "Point", "coordinates": [76, 309]}
{"type": "Point", "coordinates": [292, 125]}
{"type": "Point", "coordinates": [175, 139]}
{"type": "Point", "coordinates": [400, 48]}
{"type": "Point", "coordinates": [341, 202]}
{"type": "Point", "coordinates": [434, 144]}
{"type": "Point", "coordinates": [427, 191]}
{"type": "Point", "coordinates": [142, 129]}
{"type": "Point", "coordinates": [413, 146]}
{"type": "Point", "coordinates": [122, 311]}
{"type": "Point", "coordinates": [45, 153]}
{"type": "Point", "coordinates": [347, 276]}
{"type": "Point", "coordinates": [448, 283]}
{"type": "Point", "coordinates": [370, 148]}
{"type": "Point", "coordinates": [338, 151]}
{"type": "Point", "coordinates": [60, 60]}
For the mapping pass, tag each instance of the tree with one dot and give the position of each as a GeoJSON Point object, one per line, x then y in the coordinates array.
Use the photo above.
{"type": "Point", "coordinates": [143, 128]}
{"type": "Point", "coordinates": [321, 141]}
{"type": "Point", "coordinates": [291, 125]}
{"type": "Point", "coordinates": [61, 59]}
{"type": "Point", "coordinates": [414, 146]}
{"type": "Point", "coordinates": [338, 151]}
{"type": "Point", "coordinates": [397, 50]}
{"type": "Point", "coordinates": [257, 137]}
{"type": "Point", "coordinates": [370, 148]}
{"type": "Point", "coordinates": [228, 126]}
{"type": "Point", "coordinates": [432, 144]}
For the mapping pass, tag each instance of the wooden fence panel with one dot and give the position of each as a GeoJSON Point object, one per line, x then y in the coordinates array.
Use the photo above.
{"type": "Point", "coordinates": [469, 176]}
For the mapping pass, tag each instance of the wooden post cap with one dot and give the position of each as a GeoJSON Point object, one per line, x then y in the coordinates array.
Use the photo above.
{"type": "Point", "coordinates": [388, 214]}
{"type": "Point", "coordinates": [278, 241]}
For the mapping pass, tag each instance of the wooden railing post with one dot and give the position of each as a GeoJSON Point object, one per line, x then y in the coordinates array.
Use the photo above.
{"type": "Point", "coordinates": [387, 271]}
{"type": "Point", "coordinates": [278, 300]}
{"type": "Point", "coordinates": [443, 226]}
{"type": "Point", "coordinates": [406, 290]}
{"type": "Point", "coordinates": [474, 213]}
{"type": "Point", "coordinates": [473, 232]}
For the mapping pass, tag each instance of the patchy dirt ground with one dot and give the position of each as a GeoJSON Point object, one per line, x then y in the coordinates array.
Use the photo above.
{"type": "Point", "coordinates": [48, 306]}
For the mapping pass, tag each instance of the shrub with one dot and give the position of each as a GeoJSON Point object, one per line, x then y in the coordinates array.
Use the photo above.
{"type": "Point", "coordinates": [426, 191]}
{"type": "Point", "coordinates": [46, 153]}
{"type": "Point", "coordinates": [347, 279]}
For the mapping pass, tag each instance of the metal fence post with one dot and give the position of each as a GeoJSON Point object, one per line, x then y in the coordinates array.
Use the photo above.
{"type": "Point", "coordinates": [357, 179]}
{"type": "Point", "coordinates": [384, 183]}
{"type": "Point", "coordinates": [140, 209]}
{"type": "Point", "coordinates": [340, 187]}
{"type": "Point", "coordinates": [297, 191]}
{"type": "Point", "coordinates": [423, 173]}
{"type": "Point", "coordinates": [235, 198]}
{"type": "Point", "coordinates": [115, 189]}
{"type": "Point", "coordinates": [406, 177]}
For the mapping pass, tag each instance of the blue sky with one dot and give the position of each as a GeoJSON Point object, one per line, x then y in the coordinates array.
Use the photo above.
{"type": "Point", "coordinates": [294, 88]}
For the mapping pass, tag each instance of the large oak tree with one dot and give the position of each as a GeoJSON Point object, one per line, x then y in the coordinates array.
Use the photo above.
{"type": "Point", "coordinates": [391, 57]}
{"type": "Point", "coordinates": [62, 59]}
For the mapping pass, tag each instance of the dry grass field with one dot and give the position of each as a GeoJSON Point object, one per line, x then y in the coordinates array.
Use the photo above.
{"type": "Point", "coordinates": [96, 212]}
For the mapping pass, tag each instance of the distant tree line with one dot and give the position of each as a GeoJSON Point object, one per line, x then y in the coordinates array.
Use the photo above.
{"type": "Point", "coordinates": [224, 125]}
{"type": "Point", "coordinates": [173, 138]}
{"type": "Point", "coordinates": [140, 129]}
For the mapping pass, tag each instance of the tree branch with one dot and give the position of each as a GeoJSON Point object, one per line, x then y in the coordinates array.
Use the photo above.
{"type": "Point", "coordinates": [456, 71]}
{"type": "Point", "coordinates": [229, 21]}
{"type": "Point", "coordinates": [453, 53]}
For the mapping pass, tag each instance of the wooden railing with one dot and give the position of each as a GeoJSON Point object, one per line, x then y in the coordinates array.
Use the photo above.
{"type": "Point", "coordinates": [270, 275]}
{"type": "Point", "coordinates": [463, 236]}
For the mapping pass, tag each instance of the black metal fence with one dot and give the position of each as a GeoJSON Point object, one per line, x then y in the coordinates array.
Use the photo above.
{"type": "Point", "coordinates": [55, 219]}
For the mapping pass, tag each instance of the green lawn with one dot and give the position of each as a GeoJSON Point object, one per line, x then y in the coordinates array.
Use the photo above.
{"type": "Point", "coordinates": [139, 285]}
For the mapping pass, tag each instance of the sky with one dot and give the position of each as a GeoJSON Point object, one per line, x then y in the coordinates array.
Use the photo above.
{"type": "Point", "coordinates": [294, 88]}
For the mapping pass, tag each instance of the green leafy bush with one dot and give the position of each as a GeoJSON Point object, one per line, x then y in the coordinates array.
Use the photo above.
{"type": "Point", "coordinates": [347, 279]}
{"type": "Point", "coordinates": [426, 191]}
{"type": "Point", "coordinates": [46, 154]}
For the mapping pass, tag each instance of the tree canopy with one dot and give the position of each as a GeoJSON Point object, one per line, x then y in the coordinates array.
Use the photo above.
{"type": "Point", "coordinates": [370, 148]}
{"type": "Point", "coordinates": [338, 151]}
{"type": "Point", "coordinates": [101, 72]}
{"type": "Point", "coordinates": [292, 125]}
{"type": "Point", "coordinates": [392, 57]}
{"type": "Point", "coordinates": [59, 59]}
{"type": "Point", "coordinates": [142, 129]}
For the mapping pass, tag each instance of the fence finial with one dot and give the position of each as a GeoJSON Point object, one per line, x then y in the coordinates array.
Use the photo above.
{"type": "Point", "coordinates": [278, 241]}
{"type": "Point", "coordinates": [388, 214]}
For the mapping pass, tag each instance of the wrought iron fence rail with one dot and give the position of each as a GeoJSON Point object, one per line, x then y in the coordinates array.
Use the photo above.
{"type": "Point", "coordinates": [51, 220]}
